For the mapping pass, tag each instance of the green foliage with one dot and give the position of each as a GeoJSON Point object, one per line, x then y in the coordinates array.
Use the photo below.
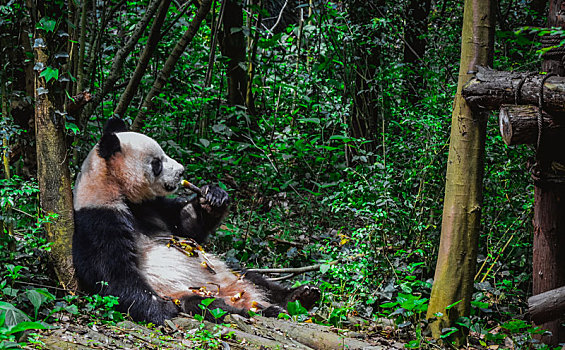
{"type": "Point", "coordinates": [14, 321]}
{"type": "Point", "coordinates": [204, 338]}
{"type": "Point", "coordinates": [103, 307]}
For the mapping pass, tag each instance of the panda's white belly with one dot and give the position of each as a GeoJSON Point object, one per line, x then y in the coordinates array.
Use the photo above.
{"type": "Point", "coordinates": [167, 269]}
{"type": "Point", "coordinates": [170, 271]}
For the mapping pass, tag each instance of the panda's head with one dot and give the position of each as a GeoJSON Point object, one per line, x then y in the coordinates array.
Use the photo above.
{"type": "Point", "coordinates": [125, 166]}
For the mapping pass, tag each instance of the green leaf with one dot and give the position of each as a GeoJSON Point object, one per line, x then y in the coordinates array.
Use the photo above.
{"type": "Point", "coordinates": [9, 345]}
{"type": "Point", "coordinates": [446, 332]}
{"type": "Point", "coordinates": [218, 313]}
{"type": "Point", "coordinates": [47, 24]}
{"type": "Point", "coordinates": [206, 302]}
{"type": "Point", "coordinates": [205, 142]}
{"type": "Point", "coordinates": [480, 304]}
{"type": "Point", "coordinates": [35, 299]}
{"type": "Point", "coordinates": [294, 308]}
{"type": "Point", "coordinates": [24, 326]}
{"type": "Point", "coordinates": [72, 128]}
{"type": "Point", "coordinates": [49, 73]}
{"type": "Point", "coordinates": [38, 297]}
{"type": "Point", "coordinates": [452, 305]}
{"type": "Point", "coordinates": [340, 137]}
{"type": "Point", "coordinates": [391, 304]}
{"type": "Point", "coordinates": [12, 315]}
{"type": "Point", "coordinates": [325, 268]}
{"type": "Point", "coordinates": [310, 120]}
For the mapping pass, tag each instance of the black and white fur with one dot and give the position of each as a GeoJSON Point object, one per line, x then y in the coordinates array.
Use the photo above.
{"type": "Point", "coordinates": [123, 227]}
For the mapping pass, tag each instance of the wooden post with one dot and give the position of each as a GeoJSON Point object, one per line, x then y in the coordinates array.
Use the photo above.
{"type": "Point", "coordinates": [519, 124]}
{"type": "Point", "coordinates": [549, 207]}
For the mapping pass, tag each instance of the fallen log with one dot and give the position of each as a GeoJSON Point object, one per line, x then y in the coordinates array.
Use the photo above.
{"type": "Point", "coordinates": [271, 333]}
{"type": "Point", "coordinates": [243, 334]}
{"type": "Point", "coordinates": [547, 306]}
{"type": "Point", "coordinates": [489, 89]}
{"type": "Point", "coordinates": [519, 124]}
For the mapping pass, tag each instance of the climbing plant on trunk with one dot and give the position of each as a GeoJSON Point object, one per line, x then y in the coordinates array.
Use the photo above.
{"type": "Point", "coordinates": [52, 153]}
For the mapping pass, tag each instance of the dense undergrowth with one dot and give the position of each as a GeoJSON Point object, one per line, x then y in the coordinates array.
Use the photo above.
{"type": "Point", "coordinates": [305, 191]}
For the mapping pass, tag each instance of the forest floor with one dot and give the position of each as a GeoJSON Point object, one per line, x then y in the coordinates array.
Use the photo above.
{"type": "Point", "coordinates": [237, 333]}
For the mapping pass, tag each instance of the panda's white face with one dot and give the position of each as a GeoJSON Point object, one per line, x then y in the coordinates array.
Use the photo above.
{"type": "Point", "coordinates": [134, 168]}
{"type": "Point", "coordinates": [142, 169]}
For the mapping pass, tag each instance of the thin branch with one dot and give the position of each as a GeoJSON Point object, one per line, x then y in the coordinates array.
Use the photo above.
{"type": "Point", "coordinates": [96, 40]}
{"type": "Point", "coordinates": [282, 278]}
{"type": "Point", "coordinates": [212, 57]}
{"type": "Point", "coordinates": [165, 72]}
{"type": "Point", "coordinates": [295, 270]}
{"type": "Point", "coordinates": [148, 51]}
{"type": "Point", "coordinates": [183, 10]}
{"type": "Point", "coordinates": [280, 16]}
{"type": "Point", "coordinates": [120, 58]}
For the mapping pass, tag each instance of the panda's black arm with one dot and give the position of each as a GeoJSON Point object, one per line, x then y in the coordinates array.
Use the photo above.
{"type": "Point", "coordinates": [196, 219]}
{"type": "Point", "coordinates": [152, 215]}
{"type": "Point", "coordinates": [203, 214]}
{"type": "Point", "coordinates": [106, 262]}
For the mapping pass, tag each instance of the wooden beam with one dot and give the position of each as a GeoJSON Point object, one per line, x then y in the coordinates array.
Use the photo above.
{"type": "Point", "coordinates": [519, 125]}
{"type": "Point", "coordinates": [489, 89]}
{"type": "Point", "coordinates": [547, 306]}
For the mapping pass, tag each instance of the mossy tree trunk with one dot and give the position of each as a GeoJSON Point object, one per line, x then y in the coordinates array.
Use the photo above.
{"type": "Point", "coordinates": [455, 269]}
{"type": "Point", "coordinates": [52, 157]}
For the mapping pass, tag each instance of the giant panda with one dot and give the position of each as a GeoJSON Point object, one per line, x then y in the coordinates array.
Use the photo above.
{"type": "Point", "coordinates": [133, 241]}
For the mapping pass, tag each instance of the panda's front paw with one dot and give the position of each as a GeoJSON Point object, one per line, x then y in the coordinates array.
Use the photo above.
{"type": "Point", "coordinates": [214, 196]}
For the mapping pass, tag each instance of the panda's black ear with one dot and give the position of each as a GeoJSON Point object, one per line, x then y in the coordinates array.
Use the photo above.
{"type": "Point", "coordinates": [109, 145]}
{"type": "Point", "coordinates": [114, 125]}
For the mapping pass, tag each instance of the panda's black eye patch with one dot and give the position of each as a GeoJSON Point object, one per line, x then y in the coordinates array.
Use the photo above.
{"type": "Point", "coordinates": [157, 166]}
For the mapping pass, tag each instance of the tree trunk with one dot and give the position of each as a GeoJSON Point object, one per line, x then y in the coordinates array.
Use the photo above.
{"type": "Point", "coordinates": [489, 89]}
{"type": "Point", "coordinates": [52, 167]}
{"type": "Point", "coordinates": [169, 65]}
{"type": "Point", "coordinates": [519, 125]}
{"type": "Point", "coordinates": [549, 249]}
{"type": "Point", "coordinates": [6, 224]}
{"type": "Point", "coordinates": [456, 265]}
{"type": "Point", "coordinates": [232, 45]}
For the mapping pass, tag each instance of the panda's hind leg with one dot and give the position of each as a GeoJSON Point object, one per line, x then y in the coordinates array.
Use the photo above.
{"type": "Point", "coordinates": [307, 295]}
